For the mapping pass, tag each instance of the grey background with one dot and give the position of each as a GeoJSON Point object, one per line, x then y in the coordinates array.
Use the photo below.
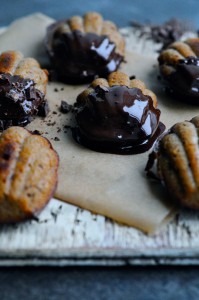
{"type": "Point", "coordinates": [119, 11]}
{"type": "Point", "coordinates": [165, 283]}
{"type": "Point", "coordinates": [156, 283]}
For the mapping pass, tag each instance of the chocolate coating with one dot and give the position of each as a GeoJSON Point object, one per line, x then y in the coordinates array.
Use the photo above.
{"type": "Point", "coordinates": [19, 100]}
{"type": "Point", "coordinates": [118, 120]}
{"type": "Point", "coordinates": [78, 57]}
{"type": "Point", "coordinates": [184, 82]}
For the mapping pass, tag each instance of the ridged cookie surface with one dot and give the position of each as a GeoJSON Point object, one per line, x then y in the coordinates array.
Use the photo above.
{"type": "Point", "coordinates": [93, 22]}
{"type": "Point", "coordinates": [81, 48]}
{"type": "Point", "coordinates": [28, 174]}
{"type": "Point", "coordinates": [179, 66]}
{"type": "Point", "coordinates": [170, 57]}
{"type": "Point", "coordinates": [178, 162]}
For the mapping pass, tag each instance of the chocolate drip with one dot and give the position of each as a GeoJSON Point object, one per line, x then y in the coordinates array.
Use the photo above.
{"type": "Point", "coordinates": [78, 57]}
{"type": "Point", "coordinates": [19, 99]}
{"type": "Point", "coordinates": [117, 120]}
{"type": "Point", "coordinates": [184, 82]}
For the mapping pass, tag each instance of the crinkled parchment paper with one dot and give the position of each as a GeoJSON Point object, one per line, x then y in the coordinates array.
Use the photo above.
{"type": "Point", "coordinates": [111, 185]}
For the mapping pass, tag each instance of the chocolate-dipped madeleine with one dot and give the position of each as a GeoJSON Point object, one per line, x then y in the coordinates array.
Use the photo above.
{"type": "Point", "coordinates": [82, 47]}
{"type": "Point", "coordinates": [28, 174]}
{"type": "Point", "coordinates": [22, 89]}
{"type": "Point", "coordinates": [177, 154]}
{"type": "Point", "coordinates": [179, 66]}
{"type": "Point", "coordinates": [117, 115]}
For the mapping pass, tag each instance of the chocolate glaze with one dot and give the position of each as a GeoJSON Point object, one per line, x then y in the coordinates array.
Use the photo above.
{"type": "Point", "coordinates": [19, 100]}
{"type": "Point", "coordinates": [117, 120]}
{"type": "Point", "coordinates": [78, 57]}
{"type": "Point", "coordinates": [184, 82]}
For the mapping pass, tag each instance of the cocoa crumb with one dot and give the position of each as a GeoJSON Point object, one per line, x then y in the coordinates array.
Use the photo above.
{"type": "Point", "coordinates": [51, 124]}
{"type": "Point", "coordinates": [44, 109]}
{"type": "Point", "coordinates": [55, 90]}
{"type": "Point", "coordinates": [56, 139]}
{"type": "Point", "coordinates": [166, 33]}
{"type": "Point", "coordinates": [37, 132]}
{"type": "Point", "coordinates": [65, 107]}
{"type": "Point", "coordinates": [67, 126]}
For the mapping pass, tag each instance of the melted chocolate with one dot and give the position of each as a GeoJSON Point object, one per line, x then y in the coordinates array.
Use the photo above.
{"type": "Point", "coordinates": [184, 82]}
{"type": "Point", "coordinates": [19, 100]}
{"type": "Point", "coordinates": [78, 57]}
{"type": "Point", "coordinates": [117, 120]}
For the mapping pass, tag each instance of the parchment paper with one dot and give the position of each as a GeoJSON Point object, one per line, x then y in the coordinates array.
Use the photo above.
{"type": "Point", "coordinates": [112, 185]}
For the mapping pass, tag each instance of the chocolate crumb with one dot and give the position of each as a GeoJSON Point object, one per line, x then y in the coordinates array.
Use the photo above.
{"type": "Point", "coordinates": [51, 124]}
{"type": "Point", "coordinates": [54, 113]}
{"type": "Point", "coordinates": [56, 139]}
{"type": "Point", "coordinates": [132, 77]}
{"type": "Point", "coordinates": [166, 33]}
{"type": "Point", "coordinates": [44, 109]}
{"type": "Point", "coordinates": [55, 90]}
{"type": "Point", "coordinates": [65, 107]}
{"type": "Point", "coordinates": [37, 132]}
{"type": "Point", "coordinates": [67, 126]}
{"type": "Point", "coordinates": [62, 89]}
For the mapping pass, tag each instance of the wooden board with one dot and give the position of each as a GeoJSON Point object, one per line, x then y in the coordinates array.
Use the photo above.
{"type": "Point", "coordinates": [67, 235]}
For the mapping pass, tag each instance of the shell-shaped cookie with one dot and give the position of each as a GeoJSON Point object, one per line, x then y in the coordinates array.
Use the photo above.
{"type": "Point", "coordinates": [14, 63]}
{"type": "Point", "coordinates": [118, 78]}
{"type": "Point", "coordinates": [178, 162]}
{"type": "Point", "coordinates": [28, 174]}
{"type": "Point", "coordinates": [179, 66]}
{"type": "Point", "coordinates": [81, 48]}
{"type": "Point", "coordinates": [117, 115]}
{"type": "Point", "coordinates": [93, 22]}
{"type": "Point", "coordinates": [170, 57]}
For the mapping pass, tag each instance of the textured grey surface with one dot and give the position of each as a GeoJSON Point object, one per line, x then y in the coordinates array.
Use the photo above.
{"type": "Point", "coordinates": [119, 11]}
{"type": "Point", "coordinates": [100, 284]}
